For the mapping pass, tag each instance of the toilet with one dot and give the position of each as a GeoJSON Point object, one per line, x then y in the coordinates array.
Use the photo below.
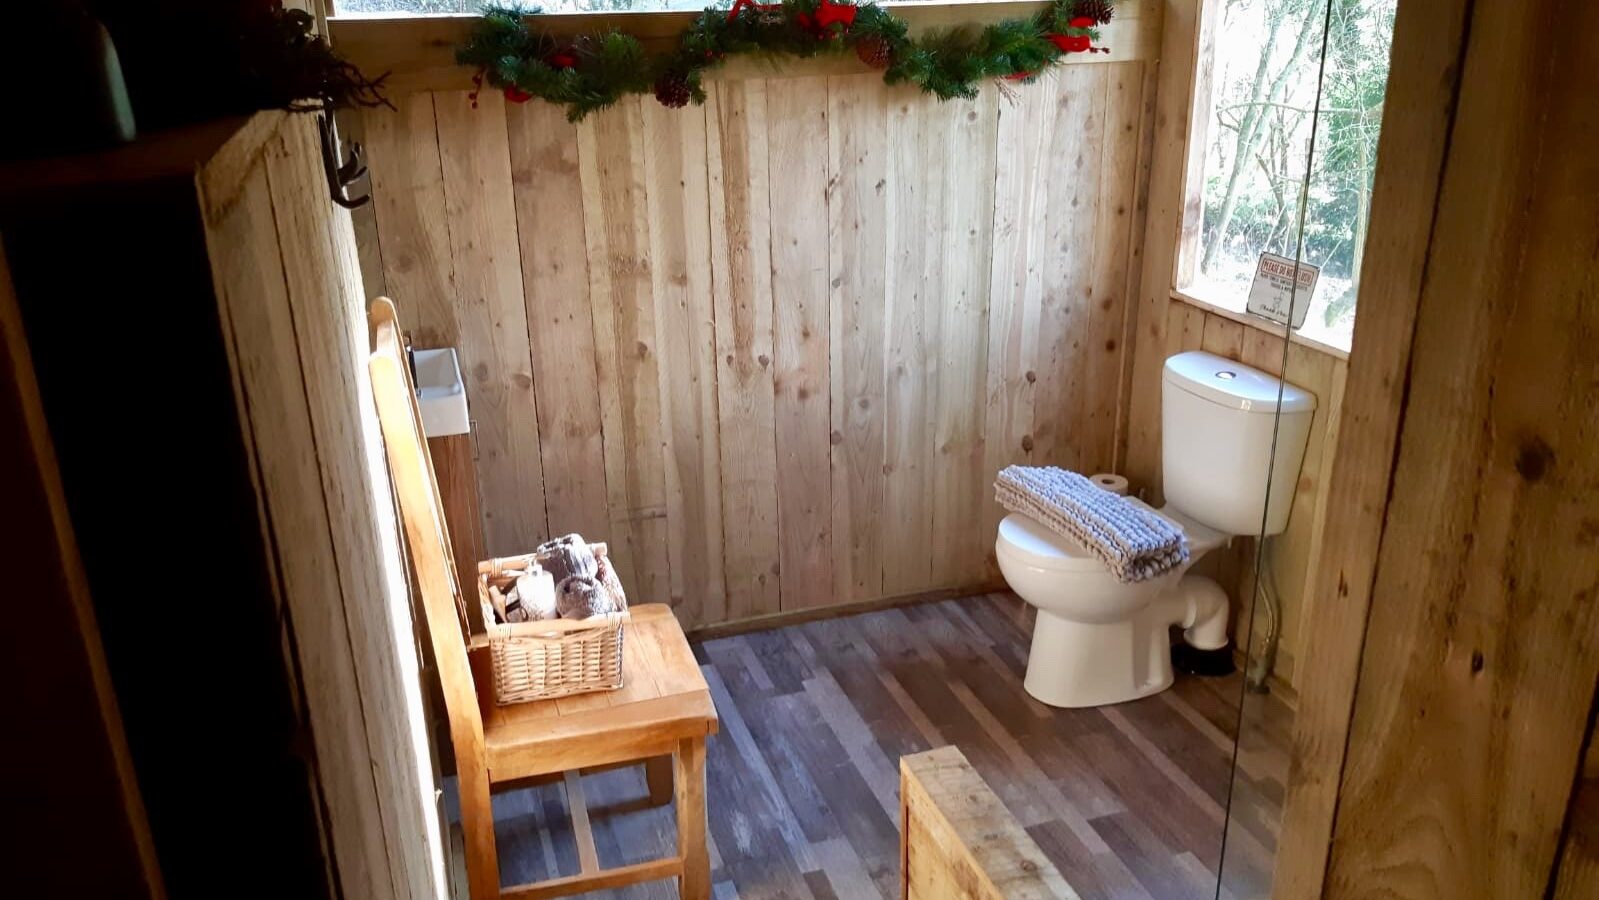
{"type": "Point", "coordinates": [1099, 641]}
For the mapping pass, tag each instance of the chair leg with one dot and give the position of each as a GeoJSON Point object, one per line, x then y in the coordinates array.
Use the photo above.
{"type": "Point", "coordinates": [695, 883]}
{"type": "Point", "coordinates": [477, 831]}
{"type": "Point", "coordinates": [658, 775]}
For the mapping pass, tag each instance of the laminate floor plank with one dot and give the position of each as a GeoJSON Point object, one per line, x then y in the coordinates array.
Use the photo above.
{"type": "Point", "coordinates": [1129, 802]}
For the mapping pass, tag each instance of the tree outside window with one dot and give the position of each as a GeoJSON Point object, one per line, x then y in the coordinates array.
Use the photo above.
{"type": "Point", "coordinates": [1270, 56]}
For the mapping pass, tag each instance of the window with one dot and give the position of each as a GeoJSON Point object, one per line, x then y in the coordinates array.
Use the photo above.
{"type": "Point", "coordinates": [1270, 57]}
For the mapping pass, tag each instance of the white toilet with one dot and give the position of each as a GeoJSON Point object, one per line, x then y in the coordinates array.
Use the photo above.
{"type": "Point", "coordinates": [1099, 641]}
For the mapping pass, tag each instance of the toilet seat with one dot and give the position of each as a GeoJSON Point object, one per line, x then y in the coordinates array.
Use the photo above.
{"type": "Point", "coordinates": [1036, 545]}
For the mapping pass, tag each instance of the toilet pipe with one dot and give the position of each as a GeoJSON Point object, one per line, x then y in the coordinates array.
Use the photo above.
{"type": "Point", "coordinates": [1199, 606]}
{"type": "Point", "coordinates": [1266, 587]}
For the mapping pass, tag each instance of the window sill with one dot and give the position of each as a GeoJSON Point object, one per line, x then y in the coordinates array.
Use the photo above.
{"type": "Point", "coordinates": [1237, 314]}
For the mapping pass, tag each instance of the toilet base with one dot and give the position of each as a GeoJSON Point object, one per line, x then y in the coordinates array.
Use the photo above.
{"type": "Point", "coordinates": [1076, 664]}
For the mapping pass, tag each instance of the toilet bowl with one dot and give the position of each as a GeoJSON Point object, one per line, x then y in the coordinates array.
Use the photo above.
{"type": "Point", "coordinates": [1096, 640]}
{"type": "Point", "coordinates": [1234, 439]}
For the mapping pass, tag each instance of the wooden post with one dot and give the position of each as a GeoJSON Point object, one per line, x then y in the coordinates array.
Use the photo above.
{"type": "Point", "coordinates": [695, 883]}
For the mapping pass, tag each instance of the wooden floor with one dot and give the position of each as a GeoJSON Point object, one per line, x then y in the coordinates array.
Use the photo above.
{"type": "Point", "coordinates": [1129, 801]}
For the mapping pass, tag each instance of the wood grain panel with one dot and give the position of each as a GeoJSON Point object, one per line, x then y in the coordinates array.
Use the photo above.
{"type": "Point", "coordinates": [958, 483]}
{"type": "Point", "coordinates": [491, 313]}
{"type": "Point", "coordinates": [611, 152]}
{"type": "Point", "coordinates": [1169, 190]}
{"type": "Point", "coordinates": [741, 265]}
{"type": "Point", "coordinates": [408, 202]}
{"type": "Point", "coordinates": [458, 486]}
{"type": "Point", "coordinates": [1482, 614]}
{"type": "Point", "coordinates": [914, 185]}
{"type": "Point", "coordinates": [1077, 143]}
{"type": "Point", "coordinates": [1107, 302]}
{"type": "Point", "coordinates": [780, 343]}
{"type": "Point", "coordinates": [548, 196]}
{"type": "Point", "coordinates": [859, 148]}
{"type": "Point", "coordinates": [797, 149]}
{"type": "Point", "coordinates": [317, 243]}
{"type": "Point", "coordinates": [680, 252]}
{"type": "Point", "coordinates": [254, 301]}
{"type": "Point", "coordinates": [1015, 287]}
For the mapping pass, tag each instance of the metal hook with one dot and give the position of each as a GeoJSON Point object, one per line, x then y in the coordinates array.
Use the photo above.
{"type": "Point", "coordinates": [341, 173]}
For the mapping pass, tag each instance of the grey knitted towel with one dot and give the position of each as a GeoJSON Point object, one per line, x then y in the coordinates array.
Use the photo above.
{"type": "Point", "coordinates": [1134, 542]}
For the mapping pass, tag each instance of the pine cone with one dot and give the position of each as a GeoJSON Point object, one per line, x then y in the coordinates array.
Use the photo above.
{"type": "Point", "coordinates": [1098, 10]}
{"type": "Point", "coordinates": [673, 91]}
{"type": "Point", "coordinates": [874, 51]}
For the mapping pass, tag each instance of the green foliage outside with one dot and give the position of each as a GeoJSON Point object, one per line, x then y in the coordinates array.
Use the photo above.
{"type": "Point", "coordinates": [1268, 59]}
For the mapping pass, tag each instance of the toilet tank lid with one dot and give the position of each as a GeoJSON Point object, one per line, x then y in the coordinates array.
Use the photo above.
{"type": "Point", "coordinates": [1232, 384]}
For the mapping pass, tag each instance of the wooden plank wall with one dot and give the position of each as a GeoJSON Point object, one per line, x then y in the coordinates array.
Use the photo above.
{"type": "Point", "coordinates": [291, 302]}
{"type": "Point", "coordinates": [772, 348]}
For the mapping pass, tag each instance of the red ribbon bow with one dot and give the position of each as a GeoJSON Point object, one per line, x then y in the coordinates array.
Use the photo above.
{"type": "Point", "coordinates": [829, 13]}
{"type": "Point", "coordinates": [741, 5]}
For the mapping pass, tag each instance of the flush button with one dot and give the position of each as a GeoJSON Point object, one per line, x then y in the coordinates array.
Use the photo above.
{"type": "Point", "coordinates": [1227, 376]}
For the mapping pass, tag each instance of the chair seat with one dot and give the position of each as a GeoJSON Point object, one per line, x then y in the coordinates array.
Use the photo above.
{"type": "Point", "coordinates": [663, 699]}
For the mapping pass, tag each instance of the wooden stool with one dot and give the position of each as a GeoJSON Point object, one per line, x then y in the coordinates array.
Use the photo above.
{"type": "Point", "coordinates": [663, 711]}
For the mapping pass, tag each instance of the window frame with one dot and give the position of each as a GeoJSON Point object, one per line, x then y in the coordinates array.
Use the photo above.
{"type": "Point", "coordinates": [1185, 286]}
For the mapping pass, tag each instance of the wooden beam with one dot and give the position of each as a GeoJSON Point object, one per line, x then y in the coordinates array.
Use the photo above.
{"type": "Point", "coordinates": [1482, 645]}
{"type": "Point", "coordinates": [588, 857]}
{"type": "Point", "coordinates": [958, 840]}
{"type": "Point", "coordinates": [1420, 101]}
{"type": "Point", "coordinates": [1182, 99]}
{"type": "Point", "coordinates": [418, 52]}
{"type": "Point", "coordinates": [598, 881]}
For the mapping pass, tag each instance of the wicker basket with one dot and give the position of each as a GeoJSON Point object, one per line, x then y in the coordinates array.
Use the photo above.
{"type": "Point", "coordinates": [551, 658]}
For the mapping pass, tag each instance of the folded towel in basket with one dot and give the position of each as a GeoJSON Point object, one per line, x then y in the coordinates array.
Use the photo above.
{"type": "Point", "coordinates": [1131, 539]}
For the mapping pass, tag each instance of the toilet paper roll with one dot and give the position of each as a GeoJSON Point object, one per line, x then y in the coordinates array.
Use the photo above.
{"type": "Point", "coordinates": [1113, 483]}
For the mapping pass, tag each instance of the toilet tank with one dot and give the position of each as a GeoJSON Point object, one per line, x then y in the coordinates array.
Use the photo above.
{"type": "Point", "coordinates": [1218, 418]}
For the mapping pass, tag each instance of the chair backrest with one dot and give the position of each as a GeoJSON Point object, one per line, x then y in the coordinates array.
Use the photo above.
{"type": "Point", "coordinates": [411, 469]}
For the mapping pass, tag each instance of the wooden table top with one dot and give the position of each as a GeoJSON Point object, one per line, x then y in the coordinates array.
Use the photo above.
{"type": "Point", "coordinates": [663, 699]}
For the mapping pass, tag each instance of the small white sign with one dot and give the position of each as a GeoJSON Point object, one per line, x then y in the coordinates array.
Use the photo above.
{"type": "Point", "coordinates": [1274, 294]}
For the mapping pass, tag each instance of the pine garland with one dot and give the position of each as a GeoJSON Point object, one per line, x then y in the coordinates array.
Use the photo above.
{"type": "Point", "coordinates": [596, 71]}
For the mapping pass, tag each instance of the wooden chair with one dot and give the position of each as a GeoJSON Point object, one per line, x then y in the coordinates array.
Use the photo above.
{"type": "Point", "coordinates": [660, 717]}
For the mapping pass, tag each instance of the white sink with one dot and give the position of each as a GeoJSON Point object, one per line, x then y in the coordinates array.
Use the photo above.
{"type": "Point", "coordinates": [440, 392]}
